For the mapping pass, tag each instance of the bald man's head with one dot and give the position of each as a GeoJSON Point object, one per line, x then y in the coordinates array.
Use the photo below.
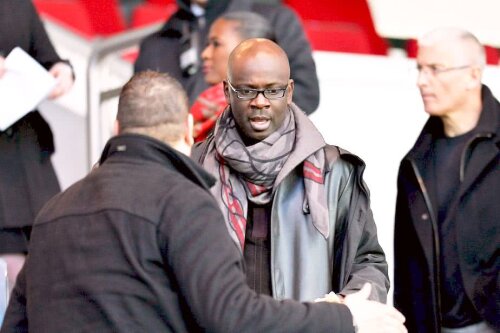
{"type": "Point", "coordinates": [256, 48]}
{"type": "Point", "coordinates": [259, 89]}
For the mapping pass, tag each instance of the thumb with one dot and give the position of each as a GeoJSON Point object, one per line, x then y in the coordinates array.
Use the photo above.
{"type": "Point", "coordinates": [362, 294]}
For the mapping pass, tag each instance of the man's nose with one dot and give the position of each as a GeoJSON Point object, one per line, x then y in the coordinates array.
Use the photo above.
{"type": "Point", "coordinates": [422, 78]}
{"type": "Point", "coordinates": [260, 100]}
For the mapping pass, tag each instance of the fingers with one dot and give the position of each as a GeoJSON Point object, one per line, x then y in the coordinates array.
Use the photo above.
{"type": "Point", "coordinates": [362, 294]}
{"type": "Point", "coordinates": [365, 292]}
{"type": "Point", "coordinates": [64, 76]}
{"type": "Point", "coordinates": [395, 314]}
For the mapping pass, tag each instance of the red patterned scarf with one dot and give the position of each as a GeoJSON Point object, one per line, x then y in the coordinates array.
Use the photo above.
{"type": "Point", "coordinates": [254, 172]}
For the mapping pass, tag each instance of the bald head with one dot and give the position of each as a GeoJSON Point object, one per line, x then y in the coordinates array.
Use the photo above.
{"type": "Point", "coordinates": [461, 43]}
{"type": "Point", "coordinates": [258, 49]}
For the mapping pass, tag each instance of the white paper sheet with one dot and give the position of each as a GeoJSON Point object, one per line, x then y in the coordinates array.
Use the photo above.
{"type": "Point", "coordinates": [23, 86]}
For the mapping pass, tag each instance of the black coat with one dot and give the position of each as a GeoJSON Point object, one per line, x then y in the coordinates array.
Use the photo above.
{"type": "Point", "coordinates": [140, 245]}
{"type": "Point", "coordinates": [161, 51]}
{"type": "Point", "coordinates": [476, 214]}
{"type": "Point", "coordinates": [27, 178]}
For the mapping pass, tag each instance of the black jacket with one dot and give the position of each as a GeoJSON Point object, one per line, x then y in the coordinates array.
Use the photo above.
{"type": "Point", "coordinates": [161, 50]}
{"type": "Point", "coordinates": [27, 178]}
{"type": "Point", "coordinates": [139, 245]}
{"type": "Point", "coordinates": [476, 214]}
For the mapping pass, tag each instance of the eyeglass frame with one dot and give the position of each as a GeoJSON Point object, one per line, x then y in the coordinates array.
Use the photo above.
{"type": "Point", "coordinates": [257, 92]}
{"type": "Point", "coordinates": [435, 71]}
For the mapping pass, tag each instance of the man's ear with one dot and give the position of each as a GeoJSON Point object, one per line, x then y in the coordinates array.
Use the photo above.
{"type": "Point", "coordinates": [291, 86]}
{"type": "Point", "coordinates": [188, 136]}
{"type": "Point", "coordinates": [476, 75]}
{"type": "Point", "coordinates": [116, 127]}
{"type": "Point", "coordinates": [226, 92]}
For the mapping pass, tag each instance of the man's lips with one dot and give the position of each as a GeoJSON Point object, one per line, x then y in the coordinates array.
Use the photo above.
{"type": "Point", "coordinates": [428, 97]}
{"type": "Point", "coordinates": [260, 123]}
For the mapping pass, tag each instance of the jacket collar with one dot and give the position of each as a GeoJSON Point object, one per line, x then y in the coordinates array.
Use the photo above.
{"type": "Point", "coordinates": [488, 124]}
{"type": "Point", "coordinates": [135, 146]}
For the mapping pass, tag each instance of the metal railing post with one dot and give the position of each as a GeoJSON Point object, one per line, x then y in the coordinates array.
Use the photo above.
{"type": "Point", "coordinates": [95, 96]}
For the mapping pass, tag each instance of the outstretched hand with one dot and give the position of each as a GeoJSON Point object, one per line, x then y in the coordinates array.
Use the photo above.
{"type": "Point", "coordinates": [372, 317]}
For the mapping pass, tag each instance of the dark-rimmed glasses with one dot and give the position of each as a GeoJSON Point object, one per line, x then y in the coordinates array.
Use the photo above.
{"type": "Point", "coordinates": [248, 93]}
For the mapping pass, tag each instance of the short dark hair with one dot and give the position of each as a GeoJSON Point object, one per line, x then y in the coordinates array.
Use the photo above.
{"type": "Point", "coordinates": [153, 104]}
{"type": "Point", "coordinates": [251, 25]}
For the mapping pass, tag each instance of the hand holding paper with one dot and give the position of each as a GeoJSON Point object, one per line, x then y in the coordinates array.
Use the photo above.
{"type": "Point", "coordinates": [63, 74]}
{"type": "Point", "coordinates": [23, 85]}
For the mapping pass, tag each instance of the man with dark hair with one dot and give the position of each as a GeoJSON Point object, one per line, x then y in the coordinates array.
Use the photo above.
{"type": "Point", "coordinates": [139, 245]}
{"type": "Point", "coordinates": [297, 208]}
{"type": "Point", "coordinates": [176, 48]}
{"type": "Point", "coordinates": [447, 235]}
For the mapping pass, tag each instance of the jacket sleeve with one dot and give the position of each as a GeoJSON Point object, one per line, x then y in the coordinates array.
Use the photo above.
{"type": "Point", "coordinates": [15, 319]}
{"type": "Point", "coordinates": [208, 269]}
{"type": "Point", "coordinates": [40, 47]}
{"type": "Point", "coordinates": [362, 256]}
{"type": "Point", "coordinates": [291, 37]}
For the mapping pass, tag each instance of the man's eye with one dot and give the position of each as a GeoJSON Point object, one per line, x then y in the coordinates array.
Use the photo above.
{"type": "Point", "coordinates": [434, 68]}
{"type": "Point", "coordinates": [273, 91]}
{"type": "Point", "coordinates": [246, 92]}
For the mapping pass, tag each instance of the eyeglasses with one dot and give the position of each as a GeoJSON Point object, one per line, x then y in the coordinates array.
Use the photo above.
{"type": "Point", "coordinates": [435, 70]}
{"type": "Point", "coordinates": [247, 93]}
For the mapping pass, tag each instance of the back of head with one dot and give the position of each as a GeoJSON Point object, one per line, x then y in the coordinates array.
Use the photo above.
{"type": "Point", "coordinates": [153, 104]}
{"type": "Point", "coordinates": [250, 24]}
{"type": "Point", "coordinates": [458, 41]}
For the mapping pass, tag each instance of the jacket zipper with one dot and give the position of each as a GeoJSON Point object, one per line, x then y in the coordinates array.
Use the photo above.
{"type": "Point", "coordinates": [437, 275]}
{"type": "Point", "coordinates": [467, 148]}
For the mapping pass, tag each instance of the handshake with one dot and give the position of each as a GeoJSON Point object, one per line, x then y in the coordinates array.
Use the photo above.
{"type": "Point", "coordinates": [368, 316]}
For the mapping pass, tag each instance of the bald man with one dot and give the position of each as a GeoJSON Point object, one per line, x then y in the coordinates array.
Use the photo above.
{"type": "Point", "coordinates": [447, 215]}
{"type": "Point", "coordinates": [297, 208]}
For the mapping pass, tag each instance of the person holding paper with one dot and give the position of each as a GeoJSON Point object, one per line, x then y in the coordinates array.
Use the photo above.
{"type": "Point", "coordinates": [27, 177]}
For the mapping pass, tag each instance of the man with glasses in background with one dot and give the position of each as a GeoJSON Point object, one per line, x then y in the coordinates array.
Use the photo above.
{"type": "Point", "coordinates": [297, 208]}
{"type": "Point", "coordinates": [447, 233]}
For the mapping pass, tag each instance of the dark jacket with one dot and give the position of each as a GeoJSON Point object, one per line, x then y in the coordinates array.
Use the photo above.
{"type": "Point", "coordinates": [27, 178]}
{"type": "Point", "coordinates": [161, 51]}
{"type": "Point", "coordinates": [475, 212]}
{"type": "Point", "coordinates": [139, 245]}
{"type": "Point", "coordinates": [305, 264]}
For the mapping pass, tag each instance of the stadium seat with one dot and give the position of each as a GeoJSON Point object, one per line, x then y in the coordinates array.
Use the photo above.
{"type": "Point", "coordinates": [148, 13]}
{"type": "Point", "coordinates": [354, 11]}
{"type": "Point", "coordinates": [337, 37]}
{"type": "Point", "coordinates": [161, 2]}
{"type": "Point", "coordinates": [89, 18]}
{"type": "Point", "coordinates": [105, 16]}
{"type": "Point", "coordinates": [57, 10]}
